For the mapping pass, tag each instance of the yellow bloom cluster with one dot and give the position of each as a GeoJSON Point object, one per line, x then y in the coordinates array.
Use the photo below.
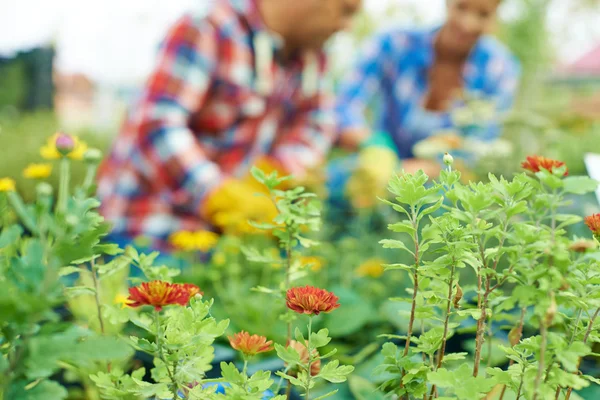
{"type": "Point", "coordinates": [203, 241]}
{"type": "Point", "coordinates": [37, 171]}
{"type": "Point", "coordinates": [315, 263]}
{"type": "Point", "coordinates": [49, 151]}
{"type": "Point", "coordinates": [7, 185]}
{"type": "Point", "coordinates": [372, 268]}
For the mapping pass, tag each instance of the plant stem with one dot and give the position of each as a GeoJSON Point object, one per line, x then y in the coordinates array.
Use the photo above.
{"type": "Point", "coordinates": [90, 175]}
{"type": "Point", "coordinates": [415, 288]}
{"type": "Point", "coordinates": [573, 335]}
{"type": "Point", "coordinates": [288, 268]}
{"type": "Point", "coordinates": [98, 304]}
{"type": "Point", "coordinates": [63, 188]}
{"type": "Point", "coordinates": [538, 377]}
{"type": "Point", "coordinates": [521, 383]}
{"type": "Point", "coordinates": [520, 331]}
{"type": "Point", "coordinates": [585, 339]}
{"type": "Point", "coordinates": [161, 356]}
{"type": "Point", "coordinates": [489, 346]}
{"type": "Point", "coordinates": [19, 208]}
{"type": "Point", "coordinates": [440, 355]}
{"type": "Point", "coordinates": [310, 356]}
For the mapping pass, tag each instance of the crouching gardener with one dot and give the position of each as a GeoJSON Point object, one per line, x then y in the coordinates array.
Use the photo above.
{"type": "Point", "coordinates": [240, 85]}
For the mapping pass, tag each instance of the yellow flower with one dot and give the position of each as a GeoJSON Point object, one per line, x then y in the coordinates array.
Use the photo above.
{"type": "Point", "coordinates": [316, 263]}
{"type": "Point", "coordinates": [219, 259]}
{"type": "Point", "coordinates": [7, 185]}
{"type": "Point", "coordinates": [182, 240]}
{"type": "Point", "coordinates": [188, 241]}
{"type": "Point", "coordinates": [205, 240]}
{"type": "Point", "coordinates": [37, 171]}
{"type": "Point", "coordinates": [121, 299]}
{"type": "Point", "coordinates": [49, 152]}
{"type": "Point", "coordinates": [372, 267]}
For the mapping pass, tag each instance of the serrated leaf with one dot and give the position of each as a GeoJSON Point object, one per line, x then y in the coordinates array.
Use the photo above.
{"type": "Point", "coordinates": [287, 354]}
{"type": "Point", "coordinates": [320, 338]}
{"type": "Point", "coordinates": [580, 184]}
{"type": "Point", "coordinates": [334, 373]}
{"type": "Point", "coordinates": [79, 291]}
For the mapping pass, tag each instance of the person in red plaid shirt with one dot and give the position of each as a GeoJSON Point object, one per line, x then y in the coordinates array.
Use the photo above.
{"type": "Point", "coordinates": [240, 85]}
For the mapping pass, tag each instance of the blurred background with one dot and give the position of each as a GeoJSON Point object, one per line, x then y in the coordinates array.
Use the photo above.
{"type": "Point", "coordinates": [76, 65]}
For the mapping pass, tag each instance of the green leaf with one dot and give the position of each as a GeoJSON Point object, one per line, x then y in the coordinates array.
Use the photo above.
{"type": "Point", "coordinates": [334, 373]}
{"type": "Point", "coordinates": [402, 227]}
{"type": "Point", "coordinates": [363, 389]}
{"type": "Point", "coordinates": [75, 291]}
{"type": "Point", "coordinates": [580, 184]}
{"type": "Point", "coordinates": [10, 236]}
{"type": "Point", "coordinates": [258, 174]}
{"type": "Point", "coordinates": [569, 357]}
{"type": "Point", "coordinates": [327, 395]}
{"type": "Point", "coordinates": [395, 244]}
{"type": "Point", "coordinates": [320, 338]}
{"type": "Point", "coordinates": [64, 271]}
{"type": "Point", "coordinates": [475, 313]}
{"type": "Point", "coordinates": [404, 267]}
{"type": "Point", "coordinates": [295, 381]}
{"type": "Point", "coordinates": [462, 382]}
{"type": "Point", "coordinates": [287, 354]}
{"type": "Point", "coordinates": [231, 374]}
{"type": "Point", "coordinates": [454, 357]}
{"type": "Point", "coordinates": [45, 390]}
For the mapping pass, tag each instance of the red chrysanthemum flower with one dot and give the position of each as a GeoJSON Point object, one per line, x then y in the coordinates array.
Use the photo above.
{"type": "Point", "coordinates": [537, 163]}
{"type": "Point", "coordinates": [593, 222]}
{"type": "Point", "coordinates": [250, 345]}
{"type": "Point", "coordinates": [159, 294]}
{"type": "Point", "coordinates": [315, 366]}
{"type": "Point", "coordinates": [311, 300]}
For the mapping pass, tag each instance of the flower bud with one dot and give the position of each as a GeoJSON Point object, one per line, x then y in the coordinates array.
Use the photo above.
{"type": "Point", "coordinates": [448, 159]}
{"type": "Point", "coordinates": [44, 189]}
{"type": "Point", "coordinates": [92, 156]}
{"type": "Point", "coordinates": [64, 144]}
{"type": "Point", "coordinates": [514, 336]}
{"type": "Point", "coordinates": [583, 245]}
{"type": "Point", "coordinates": [551, 311]}
{"type": "Point", "coordinates": [458, 296]}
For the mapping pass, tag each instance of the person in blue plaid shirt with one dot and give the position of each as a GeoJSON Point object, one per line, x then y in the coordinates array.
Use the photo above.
{"type": "Point", "coordinates": [419, 78]}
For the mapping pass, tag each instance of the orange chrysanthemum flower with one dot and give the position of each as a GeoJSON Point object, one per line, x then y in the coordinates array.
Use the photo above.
{"type": "Point", "coordinates": [537, 163]}
{"type": "Point", "coordinates": [159, 294]}
{"type": "Point", "coordinates": [311, 300]}
{"type": "Point", "coordinates": [250, 345]}
{"type": "Point", "coordinates": [593, 222]}
{"type": "Point", "coordinates": [315, 366]}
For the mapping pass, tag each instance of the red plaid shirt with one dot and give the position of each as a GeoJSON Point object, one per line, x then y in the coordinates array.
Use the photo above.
{"type": "Point", "coordinates": [217, 100]}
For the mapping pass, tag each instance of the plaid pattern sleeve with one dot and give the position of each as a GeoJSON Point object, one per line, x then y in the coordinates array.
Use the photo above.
{"type": "Point", "coordinates": [167, 151]}
{"type": "Point", "coordinates": [305, 142]}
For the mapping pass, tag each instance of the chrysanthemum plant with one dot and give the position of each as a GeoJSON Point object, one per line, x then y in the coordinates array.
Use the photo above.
{"type": "Point", "coordinates": [298, 213]}
{"type": "Point", "coordinates": [47, 240]}
{"type": "Point", "coordinates": [533, 285]}
{"type": "Point", "coordinates": [53, 240]}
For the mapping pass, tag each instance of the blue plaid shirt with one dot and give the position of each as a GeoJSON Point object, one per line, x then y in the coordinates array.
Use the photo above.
{"type": "Point", "coordinates": [393, 69]}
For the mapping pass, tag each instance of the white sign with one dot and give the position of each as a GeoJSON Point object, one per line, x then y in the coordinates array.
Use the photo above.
{"type": "Point", "coordinates": [592, 163]}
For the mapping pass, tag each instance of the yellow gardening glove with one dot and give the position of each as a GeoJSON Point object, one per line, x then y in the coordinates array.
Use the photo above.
{"type": "Point", "coordinates": [234, 203]}
{"type": "Point", "coordinates": [376, 166]}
